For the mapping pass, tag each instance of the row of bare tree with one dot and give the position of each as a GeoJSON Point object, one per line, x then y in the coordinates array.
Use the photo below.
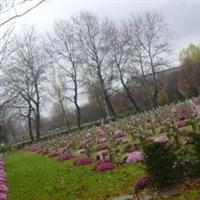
{"type": "Point", "coordinates": [85, 57]}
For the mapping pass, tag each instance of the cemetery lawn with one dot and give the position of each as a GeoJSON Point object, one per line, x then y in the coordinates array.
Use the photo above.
{"type": "Point", "coordinates": [31, 176]}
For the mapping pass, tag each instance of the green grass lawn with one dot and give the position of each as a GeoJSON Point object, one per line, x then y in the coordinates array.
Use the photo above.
{"type": "Point", "coordinates": [32, 176]}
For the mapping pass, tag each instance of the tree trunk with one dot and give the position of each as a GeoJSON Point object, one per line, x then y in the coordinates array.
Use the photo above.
{"type": "Point", "coordinates": [128, 92]}
{"type": "Point", "coordinates": [65, 115]}
{"type": "Point", "coordinates": [38, 122]}
{"type": "Point", "coordinates": [106, 97]}
{"type": "Point", "coordinates": [30, 125]}
{"type": "Point", "coordinates": [78, 110]}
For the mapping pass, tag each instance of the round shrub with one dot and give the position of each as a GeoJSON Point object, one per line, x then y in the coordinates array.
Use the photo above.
{"type": "Point", "coordinates": [161, 164]}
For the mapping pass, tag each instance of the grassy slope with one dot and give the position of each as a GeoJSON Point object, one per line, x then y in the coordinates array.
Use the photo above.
{"type": "Point", "coordinates": [35, 177]}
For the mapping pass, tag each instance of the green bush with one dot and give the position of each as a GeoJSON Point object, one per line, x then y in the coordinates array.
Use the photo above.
{"type": "Point", "coordinates": [5, 148]}
{"type": "Point", "coordinates": [161, 164]}
{"type": "Point", "coordinates": [196, 149]}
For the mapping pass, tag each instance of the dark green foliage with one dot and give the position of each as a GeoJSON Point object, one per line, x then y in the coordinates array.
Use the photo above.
{"type": "Point", "coordinates": [5, 148]}
{"type": "Point", "coordinates": [161, 165]}
{"type": "Point", "coordinates": [196, 149]}
{"type": "Point", "coordinates": [196, 143]}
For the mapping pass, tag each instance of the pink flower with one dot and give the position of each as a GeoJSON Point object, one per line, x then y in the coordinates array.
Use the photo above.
{"type": "Point", "coordinates": [65, 156]}
{"type": "Point", "coordinates": [134, 157]}
{"type": "Point", "coordinates": [84, 161]}
{"type": "Point", "coordinates": [3, 188]}
{"type": "Point", "coordinates": [104, 165]}
{"type": "Point", "coordinates": [3, 196]}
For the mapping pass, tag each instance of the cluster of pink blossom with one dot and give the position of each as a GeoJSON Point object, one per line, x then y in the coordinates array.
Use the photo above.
{"type": "Point", "coordinates": [66, 156]}
{"type": "Point", "coordinates": [83, 161]}
{"type": "Point", "coordinates": [134, 157]}
{"type": "Point", "coordinates": [3, 183]}
{"type": "Point", "coordinates": [161, 139]}
{"type": "Point", "coordinates": [104, 165]}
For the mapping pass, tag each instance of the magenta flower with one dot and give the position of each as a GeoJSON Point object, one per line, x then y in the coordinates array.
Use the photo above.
{"type": "Point", "coordinates": [104, 165]}
{"type": "Point", "coordinates": [3, 196]}
{"type": "Point", "coordinates": [134, 157]}
{"type": "Point", "coordinates": [3, 185]}
{"type": "Point", "coordinates": [3, 188]}
{"type": "Point", "coordinates": [84, 161]}
{"type": "Point", "coordinates": [66, 156]}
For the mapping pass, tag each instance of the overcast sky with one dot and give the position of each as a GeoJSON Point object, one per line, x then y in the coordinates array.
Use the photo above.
{"type": "Point", "coordinates": [183, 17]}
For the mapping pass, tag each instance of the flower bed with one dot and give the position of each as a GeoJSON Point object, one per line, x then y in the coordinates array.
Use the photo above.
{"type": "Point", "coordinates": [3, 183]}
{"type": "Point", "coordinates": [65, 156]}
{"type": "Point", "coordinates": [83, 161]}
{"type": "Point", "coordinates": [134, 157]}
{"type": "Point", "coordinates": [104, 165]}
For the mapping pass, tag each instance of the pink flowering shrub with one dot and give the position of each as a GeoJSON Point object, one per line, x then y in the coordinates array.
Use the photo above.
{"type": "Point", "coordinates": [65, 156]}
{"type": "Point", "coordinates": [3, 196]}
{"type": "Point", "coordinates": [104, 165]}
{"type": "Point", "coordinates": [84, 161]}
{"type": "Point", "coordinates": [3, 184]}
{"type": "Point", "coordinates": [134, 157]}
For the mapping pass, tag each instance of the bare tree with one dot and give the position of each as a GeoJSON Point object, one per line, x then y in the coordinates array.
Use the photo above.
{"type": "Point", "coordinates": [151, 42]}
{"type": "Point", "coordinates": [59, 91]}
{"type": "Point", "coordinates": [24, 76]}
{"type": "Point", "coordinates": [93, 37]}
{"type": "Point", "coordinates": [63, 50]}
{"type": "Point", "coordinates": [13, 9]}
{"type": "Point", "coordinates": [121, 57]}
